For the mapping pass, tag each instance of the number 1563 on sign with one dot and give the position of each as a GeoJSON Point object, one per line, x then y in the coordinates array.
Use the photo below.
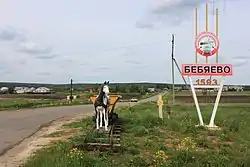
{"type": "Point", "coordinates": [206, 82]}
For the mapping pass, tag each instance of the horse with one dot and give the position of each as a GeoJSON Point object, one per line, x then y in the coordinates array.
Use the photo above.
{"type": "Point", "coordinates": [101, 106]}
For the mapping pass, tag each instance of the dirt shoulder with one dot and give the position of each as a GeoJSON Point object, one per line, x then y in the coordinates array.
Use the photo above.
{"type": "Point", "coordinates": [21, 152]}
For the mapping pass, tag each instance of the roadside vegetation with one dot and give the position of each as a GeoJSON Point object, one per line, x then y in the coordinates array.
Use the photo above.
{"type": "Point", "coordinates": [14, 104]}
{"type": "Point", "coordinates": [149, 141]}
{"type": "Point", "coordinates": [37, 101]}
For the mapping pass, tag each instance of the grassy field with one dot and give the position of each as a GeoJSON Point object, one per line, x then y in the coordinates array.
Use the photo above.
{"type": "Point", "coordinates": [26, 101]}
{"type": "Point", "coordinates": [149, 141]}
{"type": "Point", "coordinates": [18, 103]}
{"type": "Point", "coordinates": [226, 97]}
{"type": "Point", "coordinates": [243, 93]}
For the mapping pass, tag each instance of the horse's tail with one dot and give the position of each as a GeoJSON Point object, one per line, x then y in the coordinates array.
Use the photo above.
{"type": "Point", "coordinates": [94, 114]}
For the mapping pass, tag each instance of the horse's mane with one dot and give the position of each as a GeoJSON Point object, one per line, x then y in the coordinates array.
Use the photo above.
{"type": "Point", "coordinates": [101, 94]}
{"type": "Point", "coordinates": [99, 99]}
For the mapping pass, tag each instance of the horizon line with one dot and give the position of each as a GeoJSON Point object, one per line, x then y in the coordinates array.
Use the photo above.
{"type": "Point", "coordinates": [93, 83]}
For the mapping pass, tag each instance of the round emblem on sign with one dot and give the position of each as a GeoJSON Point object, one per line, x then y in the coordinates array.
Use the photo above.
{"type": "Point", "coordinates": [207, 44]}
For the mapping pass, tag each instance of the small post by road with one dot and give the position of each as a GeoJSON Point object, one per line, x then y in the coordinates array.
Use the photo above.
{"type": "Point", "coordinates": [71, 90]}
{"type": "Point", "coordinates": [168, 110]}
{"type": "Point", "coordinates": [160, 104]}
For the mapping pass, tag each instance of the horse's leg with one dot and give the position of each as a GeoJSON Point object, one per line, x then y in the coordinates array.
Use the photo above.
{"type": "Point", "coordinates": [107, 117]}
{"type": "Point", "coordinates": [101, 115]}
{"type": "Point", "coordinates": [97, 118]}
{"type": "Point", "coordinates": [105, 112]}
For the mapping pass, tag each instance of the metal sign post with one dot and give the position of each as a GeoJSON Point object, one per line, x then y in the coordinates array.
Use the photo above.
{"type": "Point", "coordinates": [216, 104]}
{"type": "Point", "coordinates": [196, 102]}
{"type": "Point", "coordinates": [207, 45]}
{"type": "Point", "coordinates": [197, 70]}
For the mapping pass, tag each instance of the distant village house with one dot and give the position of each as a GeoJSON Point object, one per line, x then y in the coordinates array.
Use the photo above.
{"type": "Point", "coordinates": [20, 90]}
{"type": "Point", "coordinates": [151, 89]}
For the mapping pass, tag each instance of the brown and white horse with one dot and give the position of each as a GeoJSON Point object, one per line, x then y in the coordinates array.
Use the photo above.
{"type": "Point", "coordinates": [101, 106]}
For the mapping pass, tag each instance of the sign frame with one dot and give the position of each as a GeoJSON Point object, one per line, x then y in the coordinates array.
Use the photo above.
{"type": "Point", "coordinates": [216, 104]}
{"type": "Point", "coordinates": [213, 51]}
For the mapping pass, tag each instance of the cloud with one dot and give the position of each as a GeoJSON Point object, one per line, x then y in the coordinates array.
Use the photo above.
{"type": "Point", "coordinates": [43, 73]}
{"type": "Point", "coordinates": [139, 66]}
{"type": "Point", "coordinates": [240, 61]}
{"type": "Point", "coordinates": [22, 62]}
{"type": "Point", "coordinates": [101, 69]}
{"type": "Point", "coordinates": [84, 64]}
{"type": "Point", "coordinates": [147, 24]}
{"type": "Point", "coordinates": [26, 45]}
{"type": "Point", "coordinates": [5, 67]}
{"type": "Point", "coordinates": [172, 12]}
{"type": "Point", "coordinates": [133, 62]}
{"type": "Point", "coordinates": [11, 34]}
{"type": "Point", "coordinates": [236, 61]}
{"type": "Point", "coordinates": [47, 56]}
{"type": "Point", "coordinates": [34, 48]}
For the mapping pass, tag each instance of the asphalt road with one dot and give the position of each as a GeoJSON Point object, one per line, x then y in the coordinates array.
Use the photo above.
{"type": "Point", "coordinates": [18, 125]}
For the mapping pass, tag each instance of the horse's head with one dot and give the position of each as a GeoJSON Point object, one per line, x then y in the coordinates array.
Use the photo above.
{"type": "Point", "coordinates": [105, 88]}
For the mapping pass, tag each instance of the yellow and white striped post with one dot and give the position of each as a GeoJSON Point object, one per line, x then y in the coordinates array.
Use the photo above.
{"type": "Point", "coordinates": [160, 104]}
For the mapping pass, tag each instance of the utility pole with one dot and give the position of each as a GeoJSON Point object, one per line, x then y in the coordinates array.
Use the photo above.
{"type": "Point", "coordinates": [172, 57]}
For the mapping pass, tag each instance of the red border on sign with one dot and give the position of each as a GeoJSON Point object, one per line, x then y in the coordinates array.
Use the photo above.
{"type": "Point", "coordinates": [197, 73]}
{"type": "Point", "coordinates": [212, 35]}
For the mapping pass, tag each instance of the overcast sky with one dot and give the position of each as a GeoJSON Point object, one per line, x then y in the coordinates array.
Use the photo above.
{"type": "Point", "coordinates": [116, 40]}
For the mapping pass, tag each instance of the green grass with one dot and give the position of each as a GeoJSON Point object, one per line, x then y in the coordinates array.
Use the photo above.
{"type": "Point", "coordinates": [148, 95]}
{"type": "Point", "coordinates": [19, 103]}
{"type": "Point", "coordinates": [149, 141]}
{"type": "Point", "coordinates": [229, 93]}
